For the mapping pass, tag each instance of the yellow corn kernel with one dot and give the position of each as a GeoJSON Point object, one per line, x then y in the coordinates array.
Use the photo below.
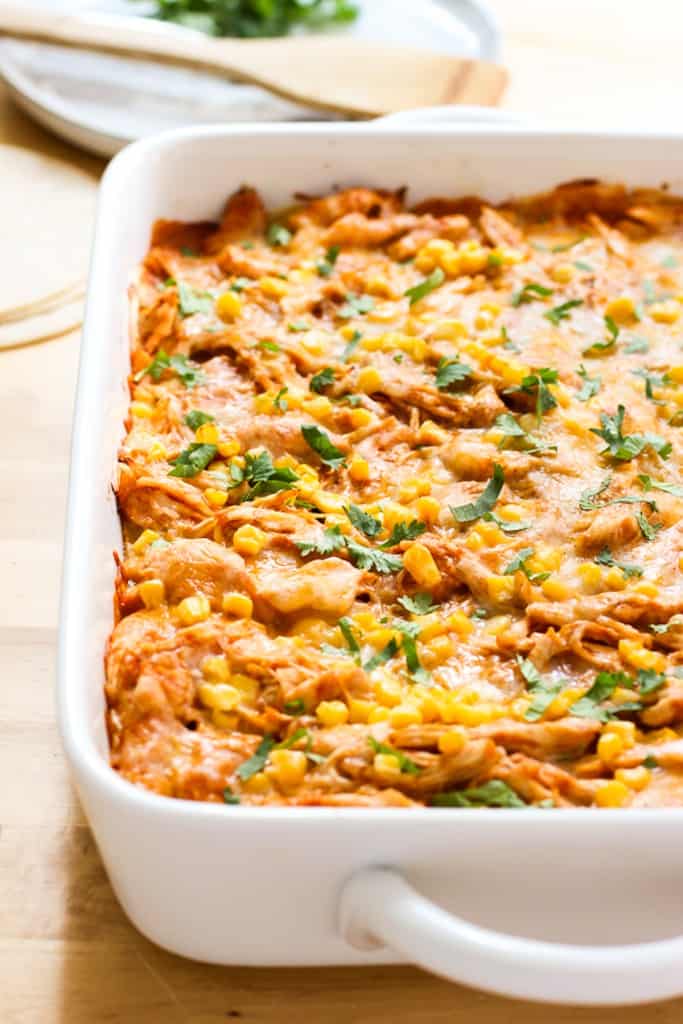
{"type": "Point", "coordinates": [612, 794]}
{"type": "Point", "coordinates": [519, 707]}
{"type": "Point", "coordinates": [141, 410]}
{"type": "Point", "coordinates": [380, 637]}
{"type": "Point", "coordinates": [440, 649]}
{"type": "Point", "coordinates": [460, 623]}
{"type": "Point", "coordinates": [146, 538]}
{"type": "Point", "coordinates": [622, 309]}
{"type": "Point", "coordinates": [556, 589]}
{"type": "Point", "coordinates": [626, 731]}
{"type": "Point", "coordinates": [562, 272]}
{"type": "Point", "coordinates": [215, 669]}
{"type": "Point", "coordinates": [646, 587]}
{"type": "Point", "coordinates": [490, 533]}
{"type": "Point", "coordinates": [473, 257]}
{"type": "Point", "coordinates": [483, 321]}
{"type": "Point", "coordinates": [332, 712]}
{"type": "Point", "coordinates": [368, 380]}
{"type": "Point", "coordinates": [216, 497]}
{"type": "Point", "coordinates": [405, 714]}
{"type": "Point", "coordinates": [609, 747]}
{"type": "Point", "coordinates": [360, 418]}
{"type": "Point", "coordinates": [449, 330]}
{"type": "Point", "coordinates": [510, 256]}
{"type": "Point", "coordinates": [419, 562]}
{"type": "Point", "coordinates": [221, 696]}
{"type": "Point", "coordinates": [359, 470]}
{"type": "Point", "coordinates": [591, 576]}
{"type": "Point", "coordinates": [474, 541]}
{"type": "Point", "coordinates": [615, 579]}
{"type": "Point", "coordinates": [365, 620]}
{"type": "Point", "coordinates": [413, 488]}
{"type": "Point", "coordinates": [432, 253]}
{"type": "Point", "coordinates": [500, 588]}
{"type": "Point", "coordinates": [388, 691]}
{"type": "Point", "coordinates": [662, 736]}
{"type": "Point", "coordinates": [430, 626]}
{"type": "Point", "coordinates": [359, 710]}
{"type": "Point", "coordinates": [676, 374]}
{"type": "Point", "coordinates": [633, 652]}
{"type": "Point", "coordinates": [497, 625]}
{"type": "Point", "coordinates": [194, 609]}
{"type": "Point", "coordinates": [378, 714]}
{"type": "Point", "coordinates": [511, 513]}
{"type": "Point", "coordinates": [206, 433]}
{"type": "Point", "coordinates": [562, 702]}
{"type": "Point", "coordinates": [228, 306]}
{"type": "Point", "coordinates": [634, 778]}
{"type": "Point", "coordinates": [452, 741]}
{"type": "Point", "coordinates": [394, 513]}
{"type": "Point", "coordinates": [424, 698]}
{"type": "Point", "coordinates": [239, 605]}
{"type": "Point", "coordinates": [258, 784]}
{"type": "Point", "coordinates": [224, 719]}
{"type": "Point", "coordinates": [152, 593]}
{"type": "Point", "coordinates": [287, 767]}
{"type": "Point", "coordinates": [428, 510]}
{"type": "Point", "coordinates": [318, 407]}
{"type": "Point", "coordinates": [273, 286]}
{"type": "Point", "coordinates": [228, 448]}
{"type": "Point", "coordinates": [247, 686]}
{"type": "Point", "coordinates": [468, 714]}
{"type": "Point", "coordinates": [545, 559]}
{"type": "Point", "coordinates": [347, 332]}
{"type": "Point", "coordinates": [387, 766]}
{"type": "Point", "coordinates": [665, 312]}
{"type": "Point", "coordinates": [249, 540]}
{"type": "Point", "coordinates": [157, 451]}
{"type": "Point", "coordinates": [430, 433]}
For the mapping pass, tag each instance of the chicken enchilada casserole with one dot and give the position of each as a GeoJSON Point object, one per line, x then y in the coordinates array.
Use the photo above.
{"type": "Point", "coordinates": [400, 494]}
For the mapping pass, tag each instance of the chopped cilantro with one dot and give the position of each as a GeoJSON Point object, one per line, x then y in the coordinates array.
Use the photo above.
{"type": "Point", "coordinates": [626, 447]}
{"type": "Point", "coordinates": [604, 557]}
{"type": "Point", "coordinates": [298, 326]}
{"type": "Point", "coordinates": [419, 291]}
{"type": "Point", "coordinates": [405, 763]}
{"type": "Point", "coordinates": [382, 657]}
{"type": "Point", "coordinates": [193, 460]}
{"type": "Point", "coordinates": [351, 347]}
{"type": "Point", "coordinates": [321, 380]}
{"type": "Point", "coordinates": [229, 797]}
{"type": "Point", "coordinates": [504, 525]}
{"type": "Point", "coordinates": [177, 364]}
{"type": "Point", "coordinates": [530, 292]}
{"type": "Point", "coordinates": [319, 441]}
{"type": "Point", "coordinates": [278, 235]}
{"type": "Point", "coordinates": [332, 540]}
{"type": "Point", "coordinates": [586, 499]}
{"type": "Point", "coordinates": [372, 560]}
{"type": "Point", "coordinates": [650, 761]}
{"type": "Point", "coordinates": [484, 503]}
{"type": "Point", "coordinates": [349, 636]}
{"type": "Point", "coordinates": [637, 345]}
{"type": "Point", "coordinates": [404, 531]}
{"type": "Point", "coordinates": [538, 383]}
{"type": "Point", "coordinates": [240, 283]}
{"type": "Point", "coordinates": [268, 346]}
{"type": "Point", "coordinates": [191, 301]}
{"type": "Point", "coordinates": [649, 484]}
{"type": "Point", "coordinates": [279, 401]}
{"type": "Point", "coordinates": [561, 312]}
{"type": "Point", "coordinates": [356, 305]}
{"type": "Point", "coordinates": [258, 759]}
{"type": "Point", "coordinates": [518, 564]}
{"type": "Point", "coordinates": [495, 793]}
{"type": "Point", "coordinates": [451, 371]}
{"type": "Point", "coordinates": [591, 385]}
{"type": "Point", "coordinates": [581, 265]}
{"type": "Point", "coordinates": [418, 604]}
{"type": "Point", "coordinates": [196, 418]}
{"type": "Point", "coordinates": [363, 521]}
{"type": "Point", "coordinates": [264, 477]}
{"type": "Point", "coordinates": [648, 530]}
{"type": "Point", "coordinates": [326, 265]}
{"type": "Point", "coordinates": [652, 380]}
{"type": "Point", "coordinates": [294, 707]}
{"type": "Point", "coordinates": [415, 670]}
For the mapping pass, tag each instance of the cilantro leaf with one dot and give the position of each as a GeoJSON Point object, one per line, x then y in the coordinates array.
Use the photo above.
{"type": "Point", "coordinates": [419, 291]}
{"type": "Point", "coordinates": [372, 560]}
{"type": "Point", "coordinates": [506, 527]}
{"type": "Point", "coordinates": [518, 564]}
{"type": "Point", "coordinates": [648, 530]}
{"type": "Point", "coordinates": [363, 521]}
{"type": "Point", "coordinates": [649, 484]}
{"type": "Point", "coordinates": [637, 345]}
{"type": "Point", "coordinates": [514, 432]}
{"type": "Point", "coordinates": [266, 345]}
{"type": "Point", "coordinates": [258, 759]}
{"type": "Point", "coordinates": [538, 383]}
{"type": "Point", "coordinates": [586, 499]}
{"type": "Point", "coordinates": [495, 793]}
{"type": "Point", "coordinates": [264, 477]}
{"type": "Point", "coordinates": [240, 283]}
{"type": "Point", "coordinates": [348, 634]}
{"type": "Point", "coordinates": [484, 503]}
{"type": "Point", "coordinates": [591, 385]}
{"type": "Point", "coordinates": [278, 235]}
{"type": "Point", "coordinates": [404, 531]}
{"type": "Point", "coordinates": [321, 380]}
{"type": "Point", "coordinates": [604, 557]}
{"type": "Point", "coordinates": [589, 706]}
{"type": "Point", "coordinates": [191, 301]}
{"type": "Point", "coordinates": [294, 707]}
{"type": "Point", "coordinates": [451, 371]}
{"type": "Point", "coordinates": [356, 305]}
{"type": "Point", "coordinates": [298, 326]}
{"type": "Point", "coordinates": [405, 763]}
{"type": "Point", "coordinates": [193, 460]}
{"type": "Point", "coordinates": [279, 401]}
{"type": "Point", "coordinates": [626, 447]}
{"type": "Point", "coordinates": [177, 364]}
{"type": "Point", "coordinates": [332, 540]}
{"type": "Point", "coordinates": [561, 312]}
{"type": "Point", "coordinates": [229, 797]}
{"type": "Point", "coordinates": [321, 444]}
{"type": "Point", "coordinates": [650, 762]}
{"type": "Point", "coordinates": [415, 669]}
{"type": "Point", "coordinates": [530, 292]}
{"type": "Point", "coordinates": [351, 347]}
{"type": "Point", "coordinates": [652, 380]}
{"type": "Point", "coordinates": [196, 418]}
{"type": "Point", "coordinates": [382, 657]}
{"type": "Point", "coordinates": [326, 265]}
{"type": "Point", "coordinates": [418, 604]}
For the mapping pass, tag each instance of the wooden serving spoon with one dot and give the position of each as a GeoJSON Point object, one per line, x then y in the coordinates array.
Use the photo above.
{"type": "Point", "coordinates": [334, 73]}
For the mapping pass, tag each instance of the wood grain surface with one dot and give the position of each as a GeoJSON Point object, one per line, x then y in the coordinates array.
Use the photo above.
{"type": "Point", "coordinates": [67, 953]}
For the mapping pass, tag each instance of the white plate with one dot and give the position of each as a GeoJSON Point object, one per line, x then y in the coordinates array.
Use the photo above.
{"type": "Point", "coordinates": [102, 103]}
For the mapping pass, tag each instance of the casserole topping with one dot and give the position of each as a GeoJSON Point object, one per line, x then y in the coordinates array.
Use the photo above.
{"type": "Point", "coordinates": [401, 502]}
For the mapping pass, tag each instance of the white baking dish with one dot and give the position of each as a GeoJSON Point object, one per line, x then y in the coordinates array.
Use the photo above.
{"type": "Point", "coordinates": [273, 886]}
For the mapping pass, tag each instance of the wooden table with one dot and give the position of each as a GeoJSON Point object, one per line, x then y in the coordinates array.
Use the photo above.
{"type": "Point", "coordinates": [67, 953]}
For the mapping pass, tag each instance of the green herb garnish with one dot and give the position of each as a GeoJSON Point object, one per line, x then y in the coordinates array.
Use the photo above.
{"type": "Point", "coordinates": [418, 604]}
{"type": "Point", "coordinates": [321, 380]}
{"type": "Point", "coordinates": [351, 347]}
{"type": "Point", "coordinates": [405, 763]}
{"type": "Point", "coordinates": [193, 460]}
{"type": "Point", "coordinates": [590, 387]}
{"type": "Point", "coordinates": [195, 418]}
{"type": "Point", "coordinates": [372, 560]}
{"type": "Point", "coordinates": [356, 305]}
{"type": "Point", "coordinates": [419, 291]}
{"type": "Point", "coordinates": [537, 383]}
{"type": "Point", "coordinates": [258, 759]}
{"type": "Point", "coordinates": [382, 657]}
{"type": "Point", "coordinates": [264, 477]}
{"type": "Point", "coordinates": [278, 235]}
{"type": "Point", "coordinates": [604, 557]}
{"type": "Point", "coordinates": [648, 484]}
{"type": "Point", "coordinates": [176, 364]}
{"type": "Point", "coordinates": [404, 531]}
{"type": "Point", "coordinates": [562, 311]}
{"type": "Point", "coordinates": [484, 503]}
{"type": "Point", "coordinates": [363, 521]}
{"type": "Point", "coordinates": [319, 441]}
{"type": "Point", "coordinates": [530, 292]}
{"type": "Point", "coordinates": [495, 793]}
{"type": "Point", "coordinates": [191, 301]}
{"type": "Point", "coordinates": [451, 371]}
{"type": "Point", "coordinates": [326, 265]}
{"type": "Point", "coordinates": [518, 564]}
{"type": "Point", "coordinates": [626, 447]}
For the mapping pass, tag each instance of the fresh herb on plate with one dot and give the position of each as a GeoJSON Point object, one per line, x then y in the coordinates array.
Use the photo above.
{"type": "Point", "coordinates": [319, 441]}
{"type": "Point", "coordinates": [278, 235]}
{"type": "Point", "coordinates": [180, 365]}
{"type": "Point", "coordinates": [193, 460]}
{"type": "Point", "coordinates": [530, 292]}
{"type": "Point", "coordinates": [326, 265]}
{"type": "Point", "coordinates": [195, 418]}
{"type": "Point", "coordinates": [451, 371]}
{"type": "Point", "coordinates": [425, 287]}
{"type": "Point", "coordinates": [356, 305]}
{"type": "Point", "coordinates": [562, 312]}
{"type": "Point", "coordinates": [406, 764]}
{"type": "Point", "coordinates": [191, 301]}
{"type": "Point", "coordinates": [590, 387]}
{"type": "Point", "coordinates": [622, 447]}
{"type": "Point", "coordinates": [484, 503]}
{"type": "Point", "coordinates": [495, 793]}
{"type": "Point", "coordinates": [321, 380]}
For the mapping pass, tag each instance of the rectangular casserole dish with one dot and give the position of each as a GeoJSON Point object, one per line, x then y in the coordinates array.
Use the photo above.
{"type": "Point", "coordinates": [239, 885]}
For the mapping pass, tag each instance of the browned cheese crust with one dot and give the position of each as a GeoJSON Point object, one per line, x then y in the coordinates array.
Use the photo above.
{"type": "Point", "coordinates": [401, 502]}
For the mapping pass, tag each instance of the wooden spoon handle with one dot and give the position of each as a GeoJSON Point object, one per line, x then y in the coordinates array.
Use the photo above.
{"type": "Point", "coordinates": [334, 73]}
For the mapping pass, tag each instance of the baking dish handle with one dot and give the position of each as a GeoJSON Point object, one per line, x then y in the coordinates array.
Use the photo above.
{"type": "Point", "coordinates": [379, 908]}
{"type": "Point", "coordinates": [481, 22]}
